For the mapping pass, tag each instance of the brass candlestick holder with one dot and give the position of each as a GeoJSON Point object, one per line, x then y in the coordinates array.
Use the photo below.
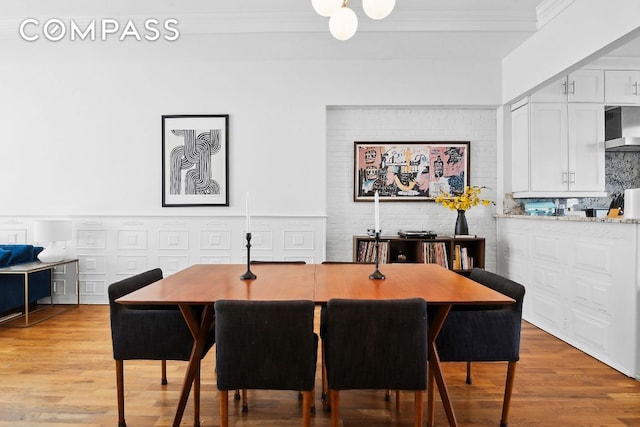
{"type": "Point", "coordinates": [377, 274]}
{"type": "Point", "coordinates": [248, 275]}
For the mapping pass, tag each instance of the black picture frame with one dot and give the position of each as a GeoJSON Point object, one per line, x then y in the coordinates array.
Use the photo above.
{"type": "Point", "coordinates": [432, 167]}
{"type": "Point", "coordinates": [195, 160]}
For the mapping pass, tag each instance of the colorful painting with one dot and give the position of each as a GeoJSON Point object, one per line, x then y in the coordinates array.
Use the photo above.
{"type": "Point", "coordinates": [410, 171]}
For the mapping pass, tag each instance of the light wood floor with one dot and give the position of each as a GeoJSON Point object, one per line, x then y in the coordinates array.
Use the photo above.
{"type": "Point", "coordinates": [61, 373]}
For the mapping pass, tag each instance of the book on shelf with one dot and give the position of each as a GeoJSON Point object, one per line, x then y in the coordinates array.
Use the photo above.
{"type": "Point", "coordinates": [464, 258]}
{"type": "Point", "coordinates": [456, 258]}
{"type": "Point", "coordinates": [460, 253]}
{"type": "Point", "coordinates": [367, 251]}
{"type": "Point", "coordinates": [461, 258]}
{"type": "Point", "coordinates": [434, 253]}
{"type": "Point", "coordinates": [465, 236]}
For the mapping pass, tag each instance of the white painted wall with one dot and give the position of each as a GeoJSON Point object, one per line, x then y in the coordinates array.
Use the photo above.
{"type": "Point", "coordinates": [82, 138]}
{"type": "Point", "coordinates": [81, 125]}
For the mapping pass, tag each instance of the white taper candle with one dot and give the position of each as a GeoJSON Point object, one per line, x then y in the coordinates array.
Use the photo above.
{"type": "Point", "coordinates": [248, 218]}
{"type": "Point", "coordinates": [376, 202]}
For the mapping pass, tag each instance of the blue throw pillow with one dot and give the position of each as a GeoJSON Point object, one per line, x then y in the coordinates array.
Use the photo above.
{"type": "Point", "coordinates": [19, 254]}
{"type": "Point", "coordinates": [5, 258]}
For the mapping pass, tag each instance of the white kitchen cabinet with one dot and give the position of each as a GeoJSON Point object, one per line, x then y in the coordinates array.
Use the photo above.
{"type": "Point", "coordinates": [622, 87]}
{"type": "Point", "coordinates": [581, 279]}
{"type": "Point", "coordinates": [579, 86]}
{"type": "Point", "coordinates": [566, 149]}
{"type": "Point", "coordinates": [549, 147]}
{"type": "Point", "coordinates": [558, 146]}
{"type": "Point", "coordinates": [520, 148]}
{"type": "Point", "coordinates": [585, 147]}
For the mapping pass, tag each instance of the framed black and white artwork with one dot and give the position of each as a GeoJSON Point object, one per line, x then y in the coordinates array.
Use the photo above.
{"type": "Point", "coordinates": [195, 160]}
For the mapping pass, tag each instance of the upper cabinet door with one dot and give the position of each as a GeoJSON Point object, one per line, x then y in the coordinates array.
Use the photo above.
{"type": "Point", "coordinates": [520, 148]}
{"type": "Point", "coordinates": [549, 147]}
{"type": "Point", "coordinates": [586, 147]}
{"type": "Point", "coordinates": [579, 86]}
{"type": "Point", "coordinates": [622, 87]}
{"type": "Point", "coordinates": [554, 92]}
{"type": "Point", "coordinates": [586, 86]}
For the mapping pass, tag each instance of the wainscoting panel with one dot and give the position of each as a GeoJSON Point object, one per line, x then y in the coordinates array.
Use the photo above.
{"type": "Point", "coordinates": [13, 236]}
{"type": "Point", "coordinates": [298, 239]}
{"type": "Point", "coordinates": [581, 279]}
{"type": "Point", "coordinates": [92, 239]}
{"type": "Point", "coordinates": [132, 239]}
{"type": "Point", "coordinates": [129, 265]}
{"type": "Point", "coordinates": [111, 248]}
{"type": "Point", "coordinates": [212, 239]}
{"type": "Point", "coordinates": [90, 263]}
{"type": "Point", "coordinates": [59, 287]}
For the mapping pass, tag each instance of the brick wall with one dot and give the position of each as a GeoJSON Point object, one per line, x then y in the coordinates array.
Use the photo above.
{"type": "Point", "coordinates": [345, 125]}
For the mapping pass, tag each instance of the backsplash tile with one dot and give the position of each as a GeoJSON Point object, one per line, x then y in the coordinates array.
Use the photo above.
{"type": "Point", "coordinates": [622, 171]}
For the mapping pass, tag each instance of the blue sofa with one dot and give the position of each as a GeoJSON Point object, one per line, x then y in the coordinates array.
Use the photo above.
{"type": "Point", "coordinates": [12, 285]}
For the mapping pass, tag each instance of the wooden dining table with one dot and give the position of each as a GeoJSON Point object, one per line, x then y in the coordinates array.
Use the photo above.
{"type": "Point", "coordinates": [201, 285]}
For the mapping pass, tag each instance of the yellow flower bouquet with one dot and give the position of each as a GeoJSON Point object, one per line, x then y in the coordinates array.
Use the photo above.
{"type": "Point", "coordinates": [470, 197]}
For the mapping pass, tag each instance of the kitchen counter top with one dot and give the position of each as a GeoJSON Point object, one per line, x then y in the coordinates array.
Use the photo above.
{"type": "Point", "coordinates": [572, 218]}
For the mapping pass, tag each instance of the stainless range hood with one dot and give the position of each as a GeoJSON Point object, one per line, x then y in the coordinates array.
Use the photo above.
{"type": "Point", "coordinates": [622, 129]}
{"type": "Point", "coordinates": [628, 143]}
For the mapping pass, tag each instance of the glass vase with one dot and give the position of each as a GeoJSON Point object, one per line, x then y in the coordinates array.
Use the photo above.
{"type": "Point", "coordinates": [461, 223]}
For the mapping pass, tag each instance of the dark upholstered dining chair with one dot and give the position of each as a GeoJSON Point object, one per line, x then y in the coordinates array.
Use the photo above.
{"type": "Point", "coordinates": [265, 345]}
{"type": "Point", "coordinates": [147, 332]}
{"type": "Point", "coordinates": [375, 345]}
{"type": "Point", "coordinates": [486, 333]}
{"type": "Point", "coordinates": [325, 387]}
{"type": "Point", "coordinates": [236, 396]}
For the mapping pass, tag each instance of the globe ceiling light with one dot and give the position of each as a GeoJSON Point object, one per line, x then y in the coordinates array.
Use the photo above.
{"type": "Point", "coordinates": [378, 9]}
{"type": "Point", "coordinates": [343, 24]}
{"type": "Point", "coordinates": [326, 8]}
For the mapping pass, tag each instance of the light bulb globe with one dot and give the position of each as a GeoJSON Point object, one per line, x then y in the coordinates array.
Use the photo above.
{"type": "Point", "coordinates": [378, 9]}
{"type": "Point", "coordinates": [326, 7]}
{"type": "Point", "coordinates": [343, 24]}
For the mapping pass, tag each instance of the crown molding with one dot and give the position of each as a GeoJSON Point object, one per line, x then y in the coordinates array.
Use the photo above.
{"type": "Point", "coordinates": [309, 22]}
{"type": "Point", "coordinates": [424, 21]}
{"type": "Point", "coordinates": [549, 9]}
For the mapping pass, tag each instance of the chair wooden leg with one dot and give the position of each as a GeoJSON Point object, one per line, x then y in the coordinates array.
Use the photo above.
{"type": "Point", "coordinates": [120, 388]}
{"type": "Point", "coordinates": [245, 401]}
{"type": "Point", "coordinates": [325, 386]}
{"type": "Point", "coordinates": [224, 408]}
{"type": "Point", "coordinates": [196, 398]}
{"type": "Point", "coordinates": [469, 381]}
{"type": "Point", "coordinates": [398, 401]}
{"type": "Point", "coordinates": [431, 383]}
{"type": "Point", "coordinates": [163, 364]}
{"type": "Point", "coordinates": [307, 398]}
{"type": "Point", "coordinates": [334, 399]}
{"type": "Point", "coordinates": [419, 408]}
{"type": "Point", "coordinates": [313, 399]}
{"type": "Point", "coordinates": [387, 395]}
{"type": "Point", "coordinates": [508, 388]}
